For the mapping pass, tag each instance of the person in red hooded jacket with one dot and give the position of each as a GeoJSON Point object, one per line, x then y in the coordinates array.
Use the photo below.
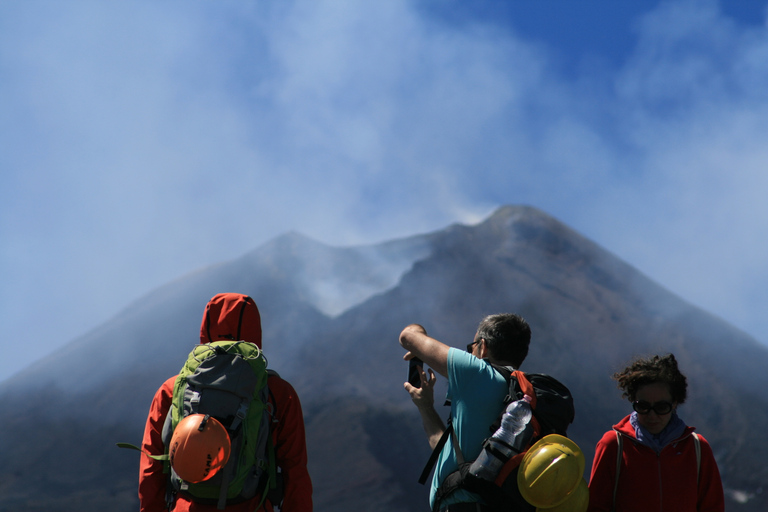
{"type": "Point", "coordinates": [232, 316]}
{"type": "Point", "coordinates": [662, 464]}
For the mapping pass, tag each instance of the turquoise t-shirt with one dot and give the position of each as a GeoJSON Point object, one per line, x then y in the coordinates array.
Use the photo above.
{"type": "Point", "coordinates": [476, 392]}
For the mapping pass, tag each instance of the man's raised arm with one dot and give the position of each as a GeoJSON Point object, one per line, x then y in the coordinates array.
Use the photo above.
{"type": "Point", "coordinates": [434, 353]}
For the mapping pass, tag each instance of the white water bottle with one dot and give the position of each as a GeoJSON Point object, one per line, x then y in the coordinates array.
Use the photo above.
{"type": "Point", "coordinates": [498, 448]}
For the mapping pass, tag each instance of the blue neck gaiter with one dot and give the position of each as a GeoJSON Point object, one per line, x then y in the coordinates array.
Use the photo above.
{"type": "Point", "coordinates": [657, 442]}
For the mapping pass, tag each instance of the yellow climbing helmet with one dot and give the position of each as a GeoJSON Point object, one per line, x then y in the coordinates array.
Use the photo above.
{"type": "Point", "coordinates": [550, 471]}
{"type": "Point", "coordinates": [577, 501]}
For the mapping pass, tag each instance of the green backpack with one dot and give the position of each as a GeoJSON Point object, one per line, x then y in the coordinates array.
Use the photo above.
{"type": "Point", "coordinates": [227, 380]}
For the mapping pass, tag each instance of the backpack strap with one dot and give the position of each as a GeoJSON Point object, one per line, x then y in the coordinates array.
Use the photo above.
{"type": "Point", "coordinates": [619, 453]}
{"type": "Point", "coordinates": [697, 442]}
{"type": "Point", "coordinates": [452, 482]}
{"type": "Point", "coordinates": [227, 472]}
{"type": "Point", "coordinates": [456, 448]}
{"type": "Point", "coordinates": [436, 453]}
{"type": "Point", "coordinates": [448, 432]}
{"type": "Point", "coordinates": [275, 490]}
{"type": "Point", "coordinates": [526, 387]}
{"type": "Point", "coordinates": [241, 413]}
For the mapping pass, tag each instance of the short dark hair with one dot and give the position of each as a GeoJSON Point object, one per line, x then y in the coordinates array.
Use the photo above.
{"type": "Point", "coordinates": [507, 336]}
{"type": "Point", "coordinates": [655, 369]}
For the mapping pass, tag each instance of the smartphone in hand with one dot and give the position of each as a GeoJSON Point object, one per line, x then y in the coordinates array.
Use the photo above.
{"type": "Point", "coordinates": [415, 367]}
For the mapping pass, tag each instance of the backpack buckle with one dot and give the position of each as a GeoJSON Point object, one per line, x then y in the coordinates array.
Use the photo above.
{"type": "Point", "coordinates": [239, 415]}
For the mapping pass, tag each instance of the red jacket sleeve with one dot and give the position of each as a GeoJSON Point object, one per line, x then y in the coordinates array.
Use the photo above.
{"type": "Point", "coordinates": [152, 480]}
{"type": "Point", "coordinates": [603, 477]}
{"type": "Point", "coordinates": [291, 447]}
{"type": "Point", "coordinates": [711, 498]}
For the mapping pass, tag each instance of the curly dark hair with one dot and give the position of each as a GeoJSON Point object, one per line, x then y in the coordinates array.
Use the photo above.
{"type": "Point", "coordinates": [648, 371]}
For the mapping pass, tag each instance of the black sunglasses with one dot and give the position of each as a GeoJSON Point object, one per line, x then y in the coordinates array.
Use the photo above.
{"type": "Point", "coordinates": [469, 347]}
{"type": "Point", "coordinates": [660, 408]}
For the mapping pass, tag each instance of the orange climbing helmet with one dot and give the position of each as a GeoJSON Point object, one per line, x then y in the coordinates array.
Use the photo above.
{"type": "Point", "coordinates": [200, 447]}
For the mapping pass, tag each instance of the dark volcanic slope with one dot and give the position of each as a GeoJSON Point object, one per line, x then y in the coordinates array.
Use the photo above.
{"type": "Point", "coordinates": [331, 319]}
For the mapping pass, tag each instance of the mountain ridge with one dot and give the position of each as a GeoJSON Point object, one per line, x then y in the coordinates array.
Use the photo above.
{"type": "Point", "coordinates": [590, 313]}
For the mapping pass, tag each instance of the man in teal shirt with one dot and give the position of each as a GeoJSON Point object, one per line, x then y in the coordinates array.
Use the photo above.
{"type": "Point", "coordinates": [475, 390]}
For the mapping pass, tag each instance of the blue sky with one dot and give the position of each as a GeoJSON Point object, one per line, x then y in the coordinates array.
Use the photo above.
{"type": "Point", "coordinates": [140, 141]}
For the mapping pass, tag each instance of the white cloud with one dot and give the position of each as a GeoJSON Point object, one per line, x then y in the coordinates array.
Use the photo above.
{"type": "Point", "coordinates": [696, 126]}
{"type": "Point", "coordinates": [139, 143]}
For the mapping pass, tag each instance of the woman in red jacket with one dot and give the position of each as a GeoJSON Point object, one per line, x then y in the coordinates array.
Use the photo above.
{"type": "Point", "coordinates": [232, 316]}
{"type": "Point", "coordinates": [651, 460]}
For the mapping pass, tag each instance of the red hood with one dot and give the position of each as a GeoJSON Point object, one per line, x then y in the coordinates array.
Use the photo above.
{"type": "Point", "coordinates": [231, 316]}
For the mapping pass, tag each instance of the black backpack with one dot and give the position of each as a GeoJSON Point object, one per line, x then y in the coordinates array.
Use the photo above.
{"type": "Point", "coordinates": [553, 411]}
